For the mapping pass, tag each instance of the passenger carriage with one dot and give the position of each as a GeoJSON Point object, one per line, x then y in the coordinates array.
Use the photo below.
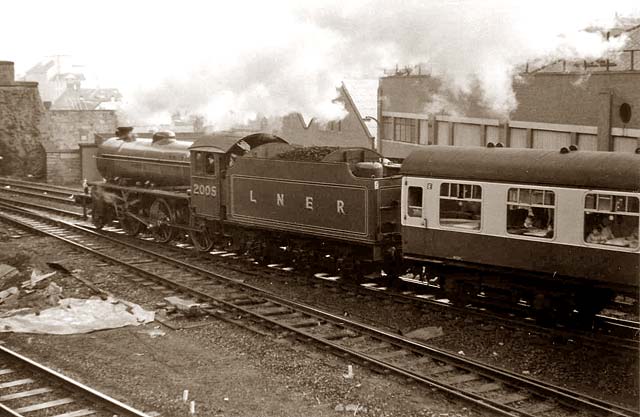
{"type": "Point", "coordinates": [524, 221]}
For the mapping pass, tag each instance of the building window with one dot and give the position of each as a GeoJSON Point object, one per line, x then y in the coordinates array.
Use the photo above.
{"type": "Point", "coordinates": [460, 205]}
{"type": "Point", "coordinates": [387, 128]}
{"type": "Point", "coordinates": [334, 126]}
{"type": "Point", "coordinates": [414, 202]}
{"type": "Point", "coordinates": [611, 220]}
{"type": "Point", "coordinates": [406, 130]}
{"type": "Point", "coordinates": [530, 212]}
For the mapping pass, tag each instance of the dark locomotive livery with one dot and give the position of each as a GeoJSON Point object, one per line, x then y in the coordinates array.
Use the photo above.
{"type": "Point", "coordinates": [556, 229]}
{"type": "Point", "coordinates": [239, 195]}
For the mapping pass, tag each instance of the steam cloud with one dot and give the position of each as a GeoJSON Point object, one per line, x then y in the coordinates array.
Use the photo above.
{"type": "Point", "coordinates": [231, 63]}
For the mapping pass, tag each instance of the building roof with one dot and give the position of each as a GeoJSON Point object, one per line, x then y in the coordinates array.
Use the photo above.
{"type": "Point", "coordinates": [600, 170]}
{"type": "Point", "coordinates": [86, 98]}
{"type": "Point", "coordinates": [616, 61]}
{"type": "Point", "coordinates": [42, 66]}
{"type": "Point", "coordinates": [364, 95]}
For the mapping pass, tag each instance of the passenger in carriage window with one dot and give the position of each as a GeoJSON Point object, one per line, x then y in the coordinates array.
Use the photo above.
{"type": "Point", "coordinates": [633, 239]}
{"type": "Point", "coordinates": [605, 228]}
{"type": "Point", "coordinates": [596, 236]}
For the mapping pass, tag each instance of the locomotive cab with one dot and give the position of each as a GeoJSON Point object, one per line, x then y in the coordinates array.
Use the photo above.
{"type": "Point", "coordinates": [211, 157]}
{"type": "Point", "coordinates": [205, 182]}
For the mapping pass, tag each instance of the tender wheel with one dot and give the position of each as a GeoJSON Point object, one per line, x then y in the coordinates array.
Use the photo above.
{"type": "Point", "coordinates": [161, 216]}
{"type": "Point", "coordinates": [202, 240]}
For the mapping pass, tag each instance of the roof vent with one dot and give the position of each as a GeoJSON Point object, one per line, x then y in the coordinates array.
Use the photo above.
{"type": "Point", "coordinates": [638, 150]}
{"type": "Point", "coordinates": [490, 145]}
{"type": "Point", "coordinates": [499, 145]}
{"type": "Point", "coordinates": [573, 148]}
{"type": "Point", "coordinates": [564, 149]}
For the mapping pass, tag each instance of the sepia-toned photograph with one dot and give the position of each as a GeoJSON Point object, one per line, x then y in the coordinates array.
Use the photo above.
{"type": "Point", "coordinates": [409, 208]}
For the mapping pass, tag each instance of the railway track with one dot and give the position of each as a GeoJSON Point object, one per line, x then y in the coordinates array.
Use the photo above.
{"type": "Point", "coordinates": [50, 192]}
{"type": "Point", "coordinates": [28, 388]}
{"type": "Point", "coordinates": [608, 330]}
{"type": "Point", "coordinates": [488, 387]}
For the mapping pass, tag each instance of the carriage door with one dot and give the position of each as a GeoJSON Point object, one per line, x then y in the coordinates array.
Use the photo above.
{"type": "Point", "coordinates": [205, 183]}
{"type": "Point", "coordinates": [414, 210]}
{"type": "Point", "coordinates": [416, 195]}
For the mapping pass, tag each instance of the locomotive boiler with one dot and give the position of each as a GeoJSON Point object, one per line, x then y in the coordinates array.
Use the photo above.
{"type": "Point", "coordinates": [162, 160]}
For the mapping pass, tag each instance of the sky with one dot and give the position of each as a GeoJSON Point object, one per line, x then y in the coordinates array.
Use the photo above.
{"type": "Point", "coordinates": [233, 60]}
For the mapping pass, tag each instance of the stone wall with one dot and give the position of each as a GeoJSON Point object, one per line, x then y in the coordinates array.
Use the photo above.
{"type": "Point", "coordinates": [70, 127]}
{"type": "Point", "coordinates": [23, 126]}
{"type": "Point", "coordinates": [64, 167]}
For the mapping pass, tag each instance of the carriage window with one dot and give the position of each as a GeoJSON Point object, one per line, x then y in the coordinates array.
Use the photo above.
{"type": "Point", "coordinates": [611, 220]}
{"type": "Point", "coordinates": [460, 205]}
{"type": "Point", "coordinates": [530, 212]}
{"type": "Point", "coordinates": [210, 167]}
{"type": "Point", "coordinates": [414, 202]}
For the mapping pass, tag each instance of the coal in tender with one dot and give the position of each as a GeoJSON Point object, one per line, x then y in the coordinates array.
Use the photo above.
{"type": "Point", "coordinates": [308, 154]}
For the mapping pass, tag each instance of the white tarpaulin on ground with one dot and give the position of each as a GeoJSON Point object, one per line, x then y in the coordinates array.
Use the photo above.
{"type": "Point", "coordinates": [74, 315]}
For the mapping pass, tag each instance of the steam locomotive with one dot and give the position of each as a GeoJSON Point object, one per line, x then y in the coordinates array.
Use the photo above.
{"type": "Point", "coordinates": [555, 230]}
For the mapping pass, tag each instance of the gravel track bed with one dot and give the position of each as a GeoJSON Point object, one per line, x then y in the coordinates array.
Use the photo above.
{"type": "Point", "coordinates": [228, 370]}
{"type": "Point", "coordinates": [612, 376]}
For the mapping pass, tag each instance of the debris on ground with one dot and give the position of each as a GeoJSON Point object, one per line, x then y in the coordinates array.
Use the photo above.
{"type": "Point", "coordinates": [7, 293]}
{"type": "Point", "coordinates": [425, 333]}
{"type": "Point", "coordinates": [7, 271]}
{"type": "Point", "coordinates": [36, 277]}
{"type": "Point", "coordinates": [153, 333]}
{"type": "Point", "coordinates": [53, 293]}
{"type": "Point", "coordinates": [351, 408]}
{"type": "Point", "coordinates": [185, 306]}
{"type": "Point", "coordinates": [73, 315]}
{"type": "Point", "coordinates": [349, 374]}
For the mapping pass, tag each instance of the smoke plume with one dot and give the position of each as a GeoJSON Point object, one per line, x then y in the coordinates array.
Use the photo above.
{"type": "Point", "coordinates": [232, 61]}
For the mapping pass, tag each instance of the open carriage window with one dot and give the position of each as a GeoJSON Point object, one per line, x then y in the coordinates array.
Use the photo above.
{"type": "Point", "coordinates": [530, 212]}
{"type": "Point", "coordinates": [460, 205]}
{"type": "Point", "coordinates": [611, 220]}
{"type": "Point", "coordinates": [414, 202]}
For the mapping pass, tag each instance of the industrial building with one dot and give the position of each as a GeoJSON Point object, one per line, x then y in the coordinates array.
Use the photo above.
{"type": "Point", "coordinates": [594, 105]}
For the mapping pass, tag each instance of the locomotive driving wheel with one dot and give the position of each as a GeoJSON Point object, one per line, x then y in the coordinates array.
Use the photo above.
{"type": "Point", "coordinates": [202, 238]}
{"type": "Point", "coordinates": [161, 217]}
{"type": "Point", "coordinates": [130, 225]}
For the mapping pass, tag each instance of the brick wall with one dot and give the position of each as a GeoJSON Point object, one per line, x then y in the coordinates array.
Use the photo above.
{"type": "Point", "coordinates": [70, 127]}
{"type": "Point", "coordinates": [574, 98]}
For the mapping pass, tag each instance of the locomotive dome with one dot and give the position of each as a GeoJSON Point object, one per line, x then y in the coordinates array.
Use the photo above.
{"type": "Point", "coordinates": [605, 170]}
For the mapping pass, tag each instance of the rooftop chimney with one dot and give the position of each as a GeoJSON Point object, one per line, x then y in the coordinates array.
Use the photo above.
{"type": "Point", "coordinates": [7, 74]}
